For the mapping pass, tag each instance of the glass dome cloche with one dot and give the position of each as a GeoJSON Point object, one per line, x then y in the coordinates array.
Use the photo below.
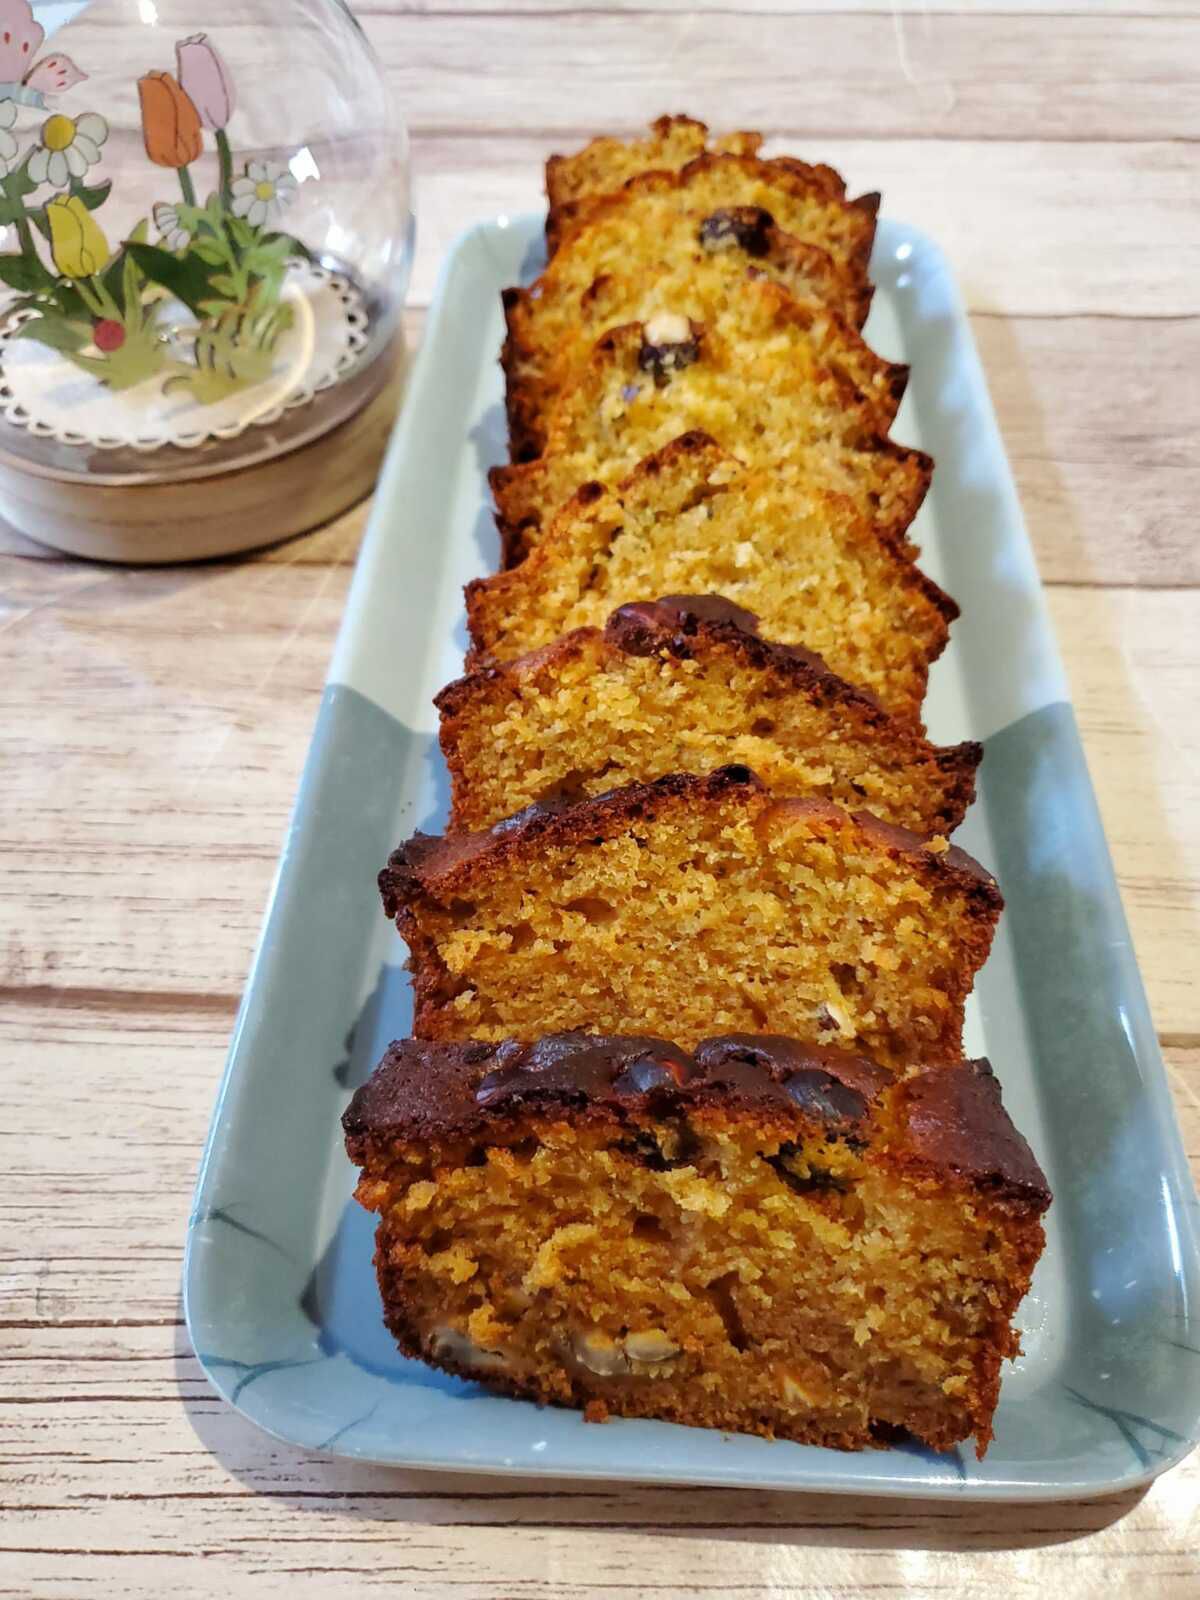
{"type": "Point", "coordinates": [205, 240]}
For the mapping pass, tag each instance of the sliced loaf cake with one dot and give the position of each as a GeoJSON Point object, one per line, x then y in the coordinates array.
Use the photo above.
{"type": "Point", "coordinates": [757, 384]}
{"type": "Point", "coordinates": [687, 684]}
{"type": "Point", "coordinates": [760, 1236]}
{"type": "Point", "coordinates": [693, 903]}
{"type": "Point", "coordinates": [658, 263]}
{"type": "Point", "coordinates": [691, 520]}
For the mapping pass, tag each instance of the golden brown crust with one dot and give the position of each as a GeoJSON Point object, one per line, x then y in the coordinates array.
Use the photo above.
{"type": "Point", "coordinates": [935, 786]}
{"type": "Point", "coordinates": [606, 162]}
{"type": "Point", "coordinates": [428, 879]}
{"type": "Point", "coordinates": [797, 182]}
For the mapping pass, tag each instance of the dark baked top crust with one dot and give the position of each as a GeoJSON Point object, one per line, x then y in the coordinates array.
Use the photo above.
{"type": "Point", "coordinates": [951, 1121]}
{"type": "Point", "coordinates": [428, 863]}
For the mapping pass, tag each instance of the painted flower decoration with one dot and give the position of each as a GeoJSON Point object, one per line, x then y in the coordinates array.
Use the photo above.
{"type": "Point", "coordinates": [8, 145]}
{"type": "Point", "coordinates": [21, 76]}
{"type": "Point", "coordinates": [263, 193]}
{"type": "Point", "coordinates": [205, 80]}
{"type": "Point", "coordinates": [77, 243]}
{"type": "Point", "coordinates": [70, 145]}
{"type": "Point", "coordinates": [175, 236]}
{"type": "Point", "coordinates": [170, 122]}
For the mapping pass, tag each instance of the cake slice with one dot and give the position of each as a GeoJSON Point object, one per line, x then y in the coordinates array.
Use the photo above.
{"type": "Point", "coordinates": [805, 199]}
{"type": "Point", "coordinates": [649, 259]}
{"type": "Point", "coordinates": [606, 163]}
{"type": "Point", "coordinates": [686, 684]}
{"type": "Point", "coordinates": [762, 1237]}
{"type": "Point", "coordinates": [692, 903]}
{"type": "Point", "coordinates": [757, 384]}
{"type": "Point", "coordinates": [692, 520]}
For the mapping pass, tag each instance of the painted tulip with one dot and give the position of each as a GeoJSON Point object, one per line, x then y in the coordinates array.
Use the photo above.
{"type": "Point", "coordinates": [76, 242]}
{"type": "Point", "coordinates": [170, 122]}
{"type": "Point", "coordinates": [205, 80]}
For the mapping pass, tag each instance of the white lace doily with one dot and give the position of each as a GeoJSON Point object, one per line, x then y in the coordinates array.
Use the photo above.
{"type": "Point", "coordinates": [42, 392]}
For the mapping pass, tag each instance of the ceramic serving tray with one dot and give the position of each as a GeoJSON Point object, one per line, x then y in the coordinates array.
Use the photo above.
{"type": "Point", "coordinates": [280, 1294]}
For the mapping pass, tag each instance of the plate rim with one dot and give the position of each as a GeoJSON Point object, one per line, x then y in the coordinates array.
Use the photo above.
{"type": "Point", "coordinates": [340, 675]}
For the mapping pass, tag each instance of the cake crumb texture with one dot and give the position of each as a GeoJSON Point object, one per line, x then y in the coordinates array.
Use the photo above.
{"type": "Point", "coordinates": [751, 1238]}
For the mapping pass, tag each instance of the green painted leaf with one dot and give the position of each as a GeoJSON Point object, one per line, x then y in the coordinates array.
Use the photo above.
{"type": "Point", "coordinates": [185, 277]}
{"type": "Point", "coordinates": [25, 273]}
{"type": "Point", "coordinates": [14, 187]}
{"type": "Point", "coordinates": [59, 335]}
{"type": "Point", "coordinates": [211, 254]}
{"type": "Point", "coordinates": [292, 245]}
{"type": "Point", "coordinates": [112, 279]}
{"type": "Point", "coordinates": [41, 222]}
{"type": "Point", "coordinates": [223, 284]}
{"type": "Point", "coordinates": [131, 295]}
{"type": "Point", "coordinates": [92, 195]}
{"type": "Point", "coordinates": [70, 302]}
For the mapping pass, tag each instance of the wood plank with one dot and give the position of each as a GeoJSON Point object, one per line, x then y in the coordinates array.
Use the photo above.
{"type": "Point", "coordinates": [1133, 659]}
{"type": "Point", "coordinates": [1100, 418]}
{"type": "Point", "coordinates": [866, 75]}
{"type": "Point", "coordinates": [1030, 228]}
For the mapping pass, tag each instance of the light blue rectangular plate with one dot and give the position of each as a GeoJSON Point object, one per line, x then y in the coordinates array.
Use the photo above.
{"type": "Point", "coordinates": [280, 1295]}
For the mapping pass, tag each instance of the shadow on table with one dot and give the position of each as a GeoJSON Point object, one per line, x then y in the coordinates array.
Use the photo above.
{"type": "Point", "coordinates": [310, 1483]}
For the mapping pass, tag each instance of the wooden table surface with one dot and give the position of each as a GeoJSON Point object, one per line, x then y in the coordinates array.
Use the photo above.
{"type": "Point", "coordinates": [154, 724]}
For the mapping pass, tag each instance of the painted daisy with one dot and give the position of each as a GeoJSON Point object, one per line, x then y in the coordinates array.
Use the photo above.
{"type": "Point", "coordinates": [263, 193]}
{"type": "Point", "coordinates": [166, 219]}
{"type": "Point", "coordinates": [70, 145]}
{"type": "Point", "coordinates": [8, 145]}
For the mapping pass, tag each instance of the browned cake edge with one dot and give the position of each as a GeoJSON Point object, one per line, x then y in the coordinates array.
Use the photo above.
{"type": "Point", "coordinates": [758, 240]}
{"type": "Point", "coordinates": [802, 178]}
{"type": "Point", "coordinates": [435, 866]}
{"type": "Point", "coordinates": [948, 1125]}
{"type": "Point", "coordinates": [954, 1122]}
{"type": "Point", "coordinates": [518, 529]}
{"type": "Point", "coordinates": [690, 627]}
{"type": "Point", "coordinates": [746, 141]}
{"type": "Point", "coordinates": [515, 548]}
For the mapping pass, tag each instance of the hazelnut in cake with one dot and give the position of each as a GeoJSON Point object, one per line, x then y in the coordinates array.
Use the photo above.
{"type": "Point", "coordinates": [691, 903]}
{"type": "Point", "coordinates": [606, 162]}
{"type": "Point", "coordinates": [759, 1236]}
{"type": "Point", "coordinates": [756, 383]}
{"type": "Point", "coordinates": [668, 267]}
{"type": "Point", "coordinates": [692, 520]}
{"type": "Point", "coordinates": [687, 684]}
